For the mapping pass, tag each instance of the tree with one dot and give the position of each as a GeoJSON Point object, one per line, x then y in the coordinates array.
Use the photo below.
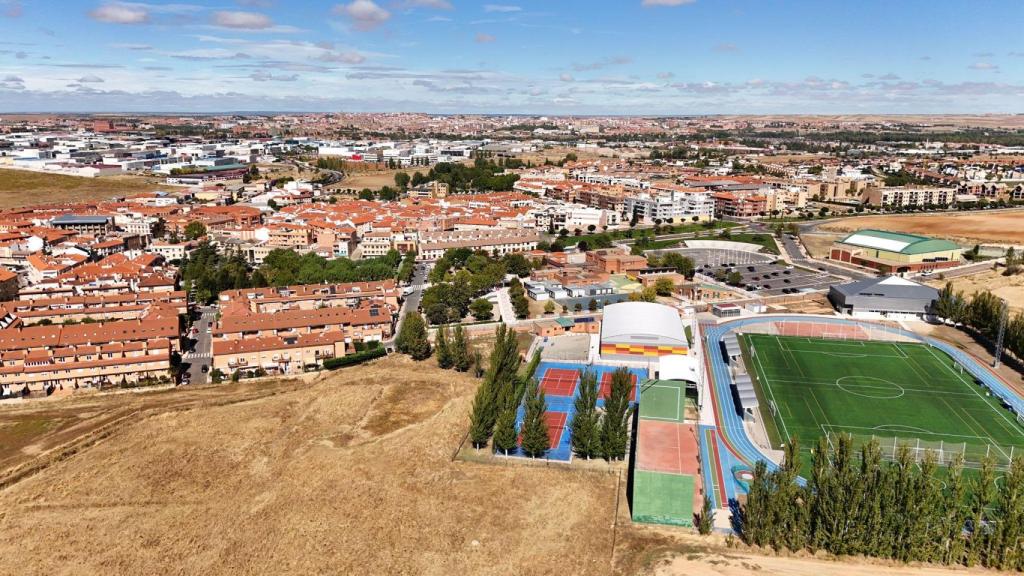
{"type": "Point", "coordinates": [482, 309]}
{"type": "Point", "coordinates": [444, 356]}
{"type": "Point", "coordinates": [536, 441]}
{"type": "Point", "coordinates": [592, 305]}
{"type": "Point", "coordinates": [194, 230]}
{"type": "Point", "coordinates": [483, 415]}
{"type": "Point", "coordinates": [412, 337]}
{"type": "Point", "coordinates": [585, 435]}
{"type": "Point", "coordinates": [462, 357]}
{"type": "Point", "coordinates": [682, 264]}
{"type": "Point", "coordinates": [402, 180]}
{"type": "Point", "coordinates": [706, 518]}
{"type": "Point", "coordinates": [664, 286]}
{"type": "Point", "coordinates": [734, 278]}
{"type": "Point", "coordinates": [505, 435]}
{"type": "Point", "coordinates": [549, 307]}
{"type": "Point", "coordinates": [615, 424]}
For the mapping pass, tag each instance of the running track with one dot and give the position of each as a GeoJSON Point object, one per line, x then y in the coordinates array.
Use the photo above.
{"type": "Point", "coordinates": [730, 434]}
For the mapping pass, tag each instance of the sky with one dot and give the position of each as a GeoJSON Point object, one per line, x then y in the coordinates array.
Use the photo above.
{"type": "Point", "coordinates": [631, 57]}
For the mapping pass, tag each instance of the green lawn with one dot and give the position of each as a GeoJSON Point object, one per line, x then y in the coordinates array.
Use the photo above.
{"type": "Point", "coordinates": [897, 393]}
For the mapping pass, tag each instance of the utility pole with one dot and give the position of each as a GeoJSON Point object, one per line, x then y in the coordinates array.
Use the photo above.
{"type": "Point", "coordinates": [1004, 313]}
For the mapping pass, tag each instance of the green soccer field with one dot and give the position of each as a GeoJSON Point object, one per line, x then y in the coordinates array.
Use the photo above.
{"type": "Point", "coordinates": [897, 393]}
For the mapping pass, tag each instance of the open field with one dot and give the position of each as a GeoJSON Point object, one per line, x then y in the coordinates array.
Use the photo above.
{"type": "Point", "coordinates": [1010, 288]}
{"type": "Point", "coordinates": [22, 188]}
{"type": "Point", "coordinates": [349, 473]}
{"type": "Point", "coordinates": [894, 392]}
{"type": "Point", "coordinates": [994, 227]}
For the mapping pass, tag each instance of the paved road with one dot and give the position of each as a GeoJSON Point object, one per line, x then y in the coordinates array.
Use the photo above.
{"type": "Point", "coordinates": [508, 312]}
{"type": "Point", "coordinates": [412, 300]}
{"type": "Point", "coordinates": [201, 354]}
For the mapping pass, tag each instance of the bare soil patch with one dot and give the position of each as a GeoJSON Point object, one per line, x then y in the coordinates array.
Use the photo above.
{"type": "Point", "coordinates": [990, 227]}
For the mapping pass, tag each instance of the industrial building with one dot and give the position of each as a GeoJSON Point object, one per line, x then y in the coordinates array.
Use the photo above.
{"type": "Point", "coordinates": [895, 253]}
{"type": "Point", "coordinates": [642, 330]}
{"type": "Point", "coordinates": [889, 297]}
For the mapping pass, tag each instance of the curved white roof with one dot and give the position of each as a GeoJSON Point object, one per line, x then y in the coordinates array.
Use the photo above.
{"type": "Point", "coordinates": [642, 323]}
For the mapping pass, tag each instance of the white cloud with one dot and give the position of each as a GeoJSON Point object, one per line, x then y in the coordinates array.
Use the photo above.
{"type": "Point", "coordinates": [365, 14]}
{"type": "Point", "coordinates": [566, 77]}
{"type": "Point", "coordinates": [118, 13]}
{"type": "Point", "coordinates": [264, 76]}
{"type": "Point", "coordinates": [242, 20]}
{"type": "Point", "coordinates": [482, 38]}
{"type": "Point", "coordinates": [667, 2]}
{"type": "Point", "coordinates": [501, 8]}
{"type": "Point", "coordinates": [91, 78]}
{"type": "Point", "coordinates": [983, 66]}
{"type": "Point", "coordinates": [436, 4]}
{"type": "Point", "coordinates": [726, 47]}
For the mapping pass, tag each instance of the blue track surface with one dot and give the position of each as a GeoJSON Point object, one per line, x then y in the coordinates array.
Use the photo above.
{"type": "Point", "coordinates": [563, 452]}
{"type": "Point", "coordinates": [742, 451]}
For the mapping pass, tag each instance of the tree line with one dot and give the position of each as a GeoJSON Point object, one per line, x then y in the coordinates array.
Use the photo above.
{"type": "Point", "coordinates": [596, 433]}
{"type": "Point", "coordinates": [981, 313]}
{"type": "Point", "coordinates": [210, 272]}
{"type": "Point", "coordinates": [483, 175]}
{"type": "Point", "coordinates": [500, 394]}
{"type": "Point", "coordinates": [857, 504]}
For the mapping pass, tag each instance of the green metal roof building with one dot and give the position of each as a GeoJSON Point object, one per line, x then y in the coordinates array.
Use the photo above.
{"type": "Point", "coordinates": [895, 252]}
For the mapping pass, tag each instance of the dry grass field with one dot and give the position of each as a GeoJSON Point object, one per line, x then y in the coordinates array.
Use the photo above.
{"type": "Point", "coordinates": [23, 188]}
{"type": "Point", "coordinates": [351, 473]}
{"type": "Point", "coordinates": [992, 227]}
{"type": "Point", "coordinates": [1010, 288]}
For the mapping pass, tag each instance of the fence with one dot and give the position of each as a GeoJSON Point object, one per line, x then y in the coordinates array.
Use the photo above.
{"type": "Point", "coordinates": [943, 450]}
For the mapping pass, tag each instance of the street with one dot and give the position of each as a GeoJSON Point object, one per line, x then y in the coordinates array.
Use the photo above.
{"type": "Point", "coordinates": [411, 302]}
{"type": "Point", "coordinates": [201, 354]}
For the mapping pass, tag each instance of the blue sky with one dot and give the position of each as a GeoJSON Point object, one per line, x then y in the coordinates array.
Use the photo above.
{"type": "Point", "coordinates": [545, 57]}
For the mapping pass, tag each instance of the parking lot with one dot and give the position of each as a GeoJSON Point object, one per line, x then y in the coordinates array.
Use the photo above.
{"type": "Point", "coordinates": [771, 279]}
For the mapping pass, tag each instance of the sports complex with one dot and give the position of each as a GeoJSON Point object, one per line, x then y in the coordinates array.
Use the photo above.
{"type": "Point", "coordinates": [817, 377]}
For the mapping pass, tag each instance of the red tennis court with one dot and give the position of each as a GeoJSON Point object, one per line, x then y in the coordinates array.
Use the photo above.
{"type": "Point", "coordinates": [666, 447]}
{"type": "Point", "coordinates": [556, 426]}
{"type": "Point", "coordinates": [560, 382]}
{"type": "Point", "coordinates": [606, 386]}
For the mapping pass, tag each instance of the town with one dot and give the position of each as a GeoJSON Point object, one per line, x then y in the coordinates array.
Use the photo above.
{"type": "Point", "coordinates": [633, 288]}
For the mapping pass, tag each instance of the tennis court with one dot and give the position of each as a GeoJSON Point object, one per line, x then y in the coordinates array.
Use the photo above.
{"type": "Point", "coordinates": [666, 447]}
{"type": "Point", "coordinates": [663, 400]}
{"type": "Point", "coordinates": [897, 393]}
{"type": "Point", "coordinates": [663, 498]}
{"type": "Point", "coordinates": [559, 381]}
{"type": "Point", "coordinates": [606, 386]}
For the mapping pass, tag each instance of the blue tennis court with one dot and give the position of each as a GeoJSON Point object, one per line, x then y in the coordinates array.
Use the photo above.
{"type": "Point", "coordinates": [560, 382]}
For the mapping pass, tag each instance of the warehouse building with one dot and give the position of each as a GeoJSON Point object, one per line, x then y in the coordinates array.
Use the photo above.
{"type": "Point", "coordinates": [895, 253]}
{"type": "Point", "coordinates": [890, 297]}
{"type": "Point", "coordinates": [642, 330]}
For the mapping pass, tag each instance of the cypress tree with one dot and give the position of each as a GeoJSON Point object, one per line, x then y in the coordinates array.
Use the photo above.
{"type": "Point", "coordinates": [706, 517]}
{"type": "Point", "coordinates": [483, 415]}
{"type": "Point", "coordinates": [585, 428]}
{"type": "Point", "coordinates": [462, 359]}
{"type": "Point", "coordinates": [444, 355]}
{"type": "Point", "coordinates": [536, 442]}
{"type": "Point", "coordinates": [505, 436]}
{"type": "Point", "coordinates": [615, 424]}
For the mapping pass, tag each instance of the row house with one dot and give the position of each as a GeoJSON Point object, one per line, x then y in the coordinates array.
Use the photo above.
{"type": "Point", "coordinates": [434, 244]}
{"type": "Point", "coordinates": [314, 296]}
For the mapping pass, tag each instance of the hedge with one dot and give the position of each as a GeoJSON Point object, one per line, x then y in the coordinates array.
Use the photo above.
{"type": "Point", "coordinates": [358, 357]}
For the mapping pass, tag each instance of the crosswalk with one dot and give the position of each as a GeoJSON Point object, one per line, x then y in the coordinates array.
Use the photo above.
{"type": "Point", "coordinates": [195, 355]}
